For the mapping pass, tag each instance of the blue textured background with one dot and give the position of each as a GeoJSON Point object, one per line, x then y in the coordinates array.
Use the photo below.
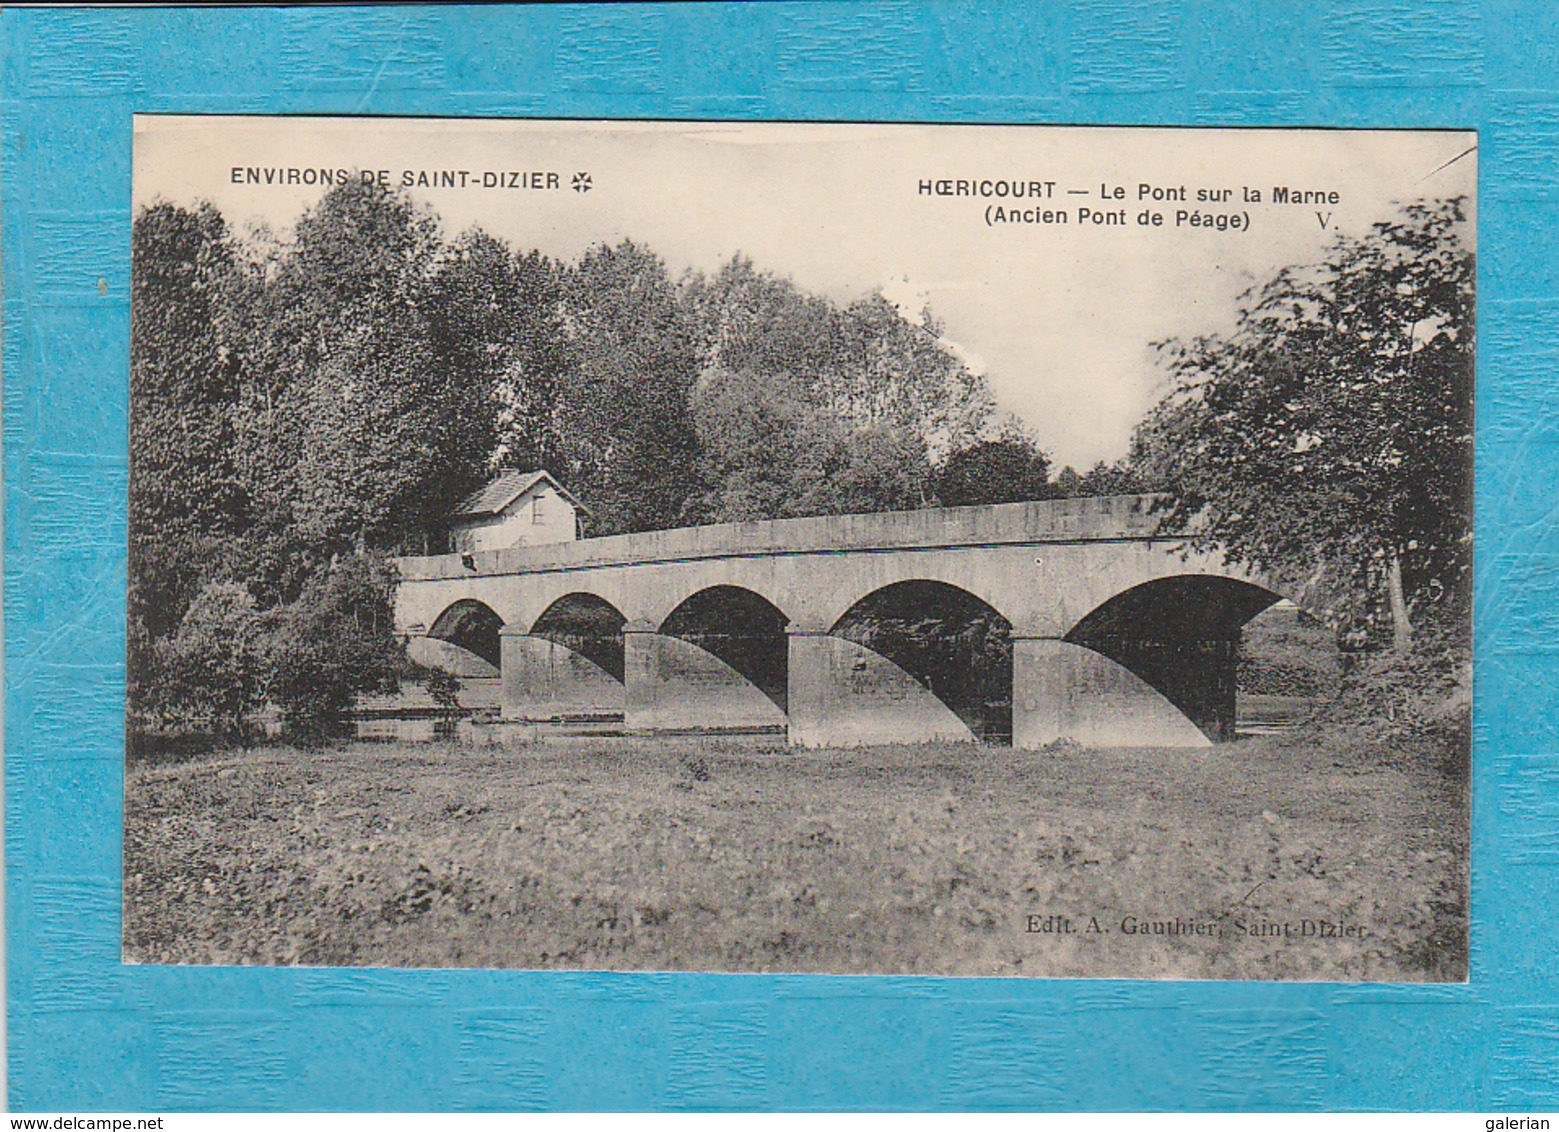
{"type": "Point", "coordinates": [86, 1033]}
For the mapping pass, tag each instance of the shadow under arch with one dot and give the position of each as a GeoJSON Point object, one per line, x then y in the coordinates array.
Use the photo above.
{"type": "Point", "coordinates": [471, 625]}
{"type": "Point", "coordinates": [742, 629]}
{"type": "Point", "coordinates": [588, 625]}
{"type": "Point", "coordinates": [1181, 636]}
{"type": "Point", "coordinates": [954, 644]}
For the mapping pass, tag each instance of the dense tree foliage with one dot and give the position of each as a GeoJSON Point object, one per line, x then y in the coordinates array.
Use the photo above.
{"type": "Point", "coordinates": [1007, 470]}
{"type": "Point", "coordinates": [187, 501]}
{"type": "Point", "coordinates": [1328, 438]}
{"type": "Point", "coordinates": [803, 407]}
{"type": "Point", "coordinates": [211, 669]}
{"type": "Point", "coordinates": [334, 641]}
{"type": "Point", "coordinates": [362, 419]}
{"type": "Point", "coordinates": [630, 432]}
{"type": "Point", "coordinates": [521, 335]}
{"type": "Point", "coordinates": [306, 405]}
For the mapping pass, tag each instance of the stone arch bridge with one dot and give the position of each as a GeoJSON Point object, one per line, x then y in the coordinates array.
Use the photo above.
{"type": "Point", "coordinates": [1023, 622]}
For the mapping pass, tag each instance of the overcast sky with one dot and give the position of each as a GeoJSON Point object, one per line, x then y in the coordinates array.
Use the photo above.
{"type": "Point", "coordinates": [1058, 316]}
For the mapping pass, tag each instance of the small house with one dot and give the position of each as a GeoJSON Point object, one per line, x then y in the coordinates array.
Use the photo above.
{"type": "Point", "coordinates": [515, 509]}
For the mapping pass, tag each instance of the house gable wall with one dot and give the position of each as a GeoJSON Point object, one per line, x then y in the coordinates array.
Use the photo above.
{"type": "Point", "coordinates": [537, 517]}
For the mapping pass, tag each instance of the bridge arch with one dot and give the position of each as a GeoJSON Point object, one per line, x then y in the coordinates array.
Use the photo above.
{"type": "Point", "coordinates": [835, 604]}
{"type": "Point", "coordinates": [568, 665]}
{"type": "Point", "coordinates": [742, 629]}
{"type": "Point", "coordinates": [587, 624]}
{"type": "Point", "coordinates": [468, 631]}
{"type": "Point", "coordinates": [1180, 635]}
{"type": "Point", "coordinates": [951, 642]}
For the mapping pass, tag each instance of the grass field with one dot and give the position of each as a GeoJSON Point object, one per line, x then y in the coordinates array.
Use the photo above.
{"type": "Point", "coordinates": [727, 855]}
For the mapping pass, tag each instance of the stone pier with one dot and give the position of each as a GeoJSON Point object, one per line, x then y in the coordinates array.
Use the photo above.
{"type": "Point", "coordinates": [672, 685]}
{"type": "Point", "coordinates": [842, 694]}
{"type": "Point", "coordinates": [543, 680]}
{"type": "Point", "coordinates": [1063, 691]}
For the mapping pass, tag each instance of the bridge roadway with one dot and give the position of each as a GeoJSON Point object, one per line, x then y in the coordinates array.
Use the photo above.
{"type": "Point", "coordinates": [855, 629]}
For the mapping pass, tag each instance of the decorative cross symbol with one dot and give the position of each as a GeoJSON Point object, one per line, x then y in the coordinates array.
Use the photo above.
{"type": "Point", "coordinates": [582, 183]}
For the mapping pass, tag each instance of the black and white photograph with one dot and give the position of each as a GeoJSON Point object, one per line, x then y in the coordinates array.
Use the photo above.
{"type": "Point", "coordinates": [765, 547]}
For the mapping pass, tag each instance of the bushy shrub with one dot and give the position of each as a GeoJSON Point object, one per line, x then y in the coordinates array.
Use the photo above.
{"type": "Point", "coordinates": [1284, 652]}
{"type": "Point", "coordinates": [212, 670]}
{"type": "Point", "coordinates": [442, 687]}
{"type": "Point", "coordinates": [1262, 676]}
{"type": "Point", "coordinates": [1412, 705]}
{"type": "Point", "coordinates": [335, 641]}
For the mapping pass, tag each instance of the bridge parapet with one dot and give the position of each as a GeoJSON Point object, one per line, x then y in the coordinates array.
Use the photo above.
{"type": "Point", "coordinates": [1092, 519]}
{"type": "Point", "coordinates": [1118, 633]}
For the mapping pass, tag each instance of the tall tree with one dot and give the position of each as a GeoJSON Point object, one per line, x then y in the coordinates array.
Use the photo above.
{"type": "Point", "coordinates": [1329, 437]}
{"type": "Point", "coordinates": [355, 429]}
{"type": "Point", "coordinates": [770, 445]}
{"type": "Point", "coordinates": [757, 323]}
{"type": "Point", "coordinates": [901, 373]}
{"type": "Point", "coordinates": [182, 373]}
{"type": "Point", "coordinates": [766, 455]}
{"type": "Point", "coordinates": [634, 364]}
{"type": "Point", "coordinates": [186, 500]}
{"type": "Point", "coordinates": [807, 408]}
{"type": "Point", "coordinates": [534, 366]}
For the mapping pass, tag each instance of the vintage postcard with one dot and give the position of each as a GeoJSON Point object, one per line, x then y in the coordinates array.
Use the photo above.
{"type": "Point", "coordinates": [765, 547]}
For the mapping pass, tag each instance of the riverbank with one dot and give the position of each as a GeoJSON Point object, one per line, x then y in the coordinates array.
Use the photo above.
{"type": "Point", "coordinates": [1280, 857]}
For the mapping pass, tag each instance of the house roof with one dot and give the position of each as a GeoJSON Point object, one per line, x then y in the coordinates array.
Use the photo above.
{"type": "Point", "coordinates": [504, 489]}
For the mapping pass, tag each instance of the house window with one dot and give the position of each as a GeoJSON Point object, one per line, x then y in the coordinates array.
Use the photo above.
{"type": "Point", "coordinates": [535, 510]}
